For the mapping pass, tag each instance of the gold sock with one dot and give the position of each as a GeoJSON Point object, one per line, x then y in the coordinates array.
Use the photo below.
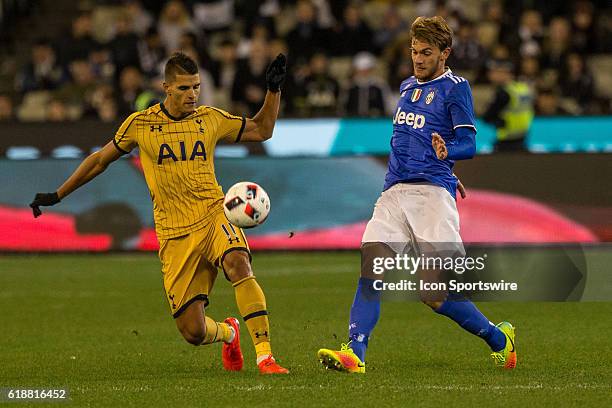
{"type": "Point", "coordinates": [216, 331]}
{"type": "Point", "coordinates": [263, 350]}
{"type": "Point", "coordinates": [252, 306]}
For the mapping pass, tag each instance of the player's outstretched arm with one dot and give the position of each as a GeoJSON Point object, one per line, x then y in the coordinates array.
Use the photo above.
{"type": "Point", "coordinates": [260, 127]}
{"type": "Point", "coordinates": [89, 168]}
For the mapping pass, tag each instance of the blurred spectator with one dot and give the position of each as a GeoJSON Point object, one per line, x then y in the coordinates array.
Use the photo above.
{"type": "Point", "coordinates": [173, 22]}
{"type": "Point", "coordinates": [78, 94]}
{"type": "Point", "coordinates": [511, 111]}
{"type": "Point", "coordinates": [214, 15]}
{"type": "Point", "coordinates": [101, 98]}
{"type": "Point", "coordinates": [107, 111]}
{"type": "Point", "coordinates": [584, 35]}
{"type": "Point", "coordinates": [451, 12]}
{"type": "Point", "coordinates": [124, 45]}
{"type": "Point", "coordinates": [258, 12]}
{"type": "Point", "coordinates": [224, 65]}
{"type": "Point", "coordinates": [57, 111]}
{"type": "Point", "coordinates": [549, 43]}
{"type": "Point", "coordinates": [102, 64]}
{"type": "Point", "coordinates": [142, 20]}
{"type": "Point", "coordinates": [249, 90]}
{"type": "Point", "coordinates": [151, 53]}
{"type": "Point", "coordinates": [531, 34]}
{"type": "Point", "coordinates": [425, 7]}
{"type": "Point", "coordinates": [530, 71]}
{"type": "Point", "coordinates": [79, 42]}
{"type": "Point", "coordinates": [489, 26]}
{"type": "Point", "coordinates": [393, 26]}
{"type": "Point", "coordinates": [500, 52]}
{"type": "Point", "coordinates": [190, 41]}
{"type": "Point", "coordinates": [320, 89]}
{"type": "Point", "coordinates": [398, 57]}
{"type": "Point", "coordinates": [337, 8]}
{"type": "Point", "coordinates": [367, 94]}
{"type": "Point", "coordinates": [152, 95]}
{"type": "Point", "coordinates": [557, 43]}
{"type": "Point", "coordinates": [277, 46]}
{"type": "Point", "coordinates": [259, 32]}
{"type": "Point", "coordinates": [6, 108]}
{"type": "Point", "coordinates": [307, 36]}
{"type": "Point", "coordinates": [42, 72]}
{"type": "Point", "coordinates": [576, 82]}
{"type": "Point", "coordinates": [548, 103]}
{"type": "Point", "coordinates": [325, 17]}
{"type": "Point", "coordinates": [467, 52]}
{"type": "Point", "coordinates": [353, 34]}
{"type": "Point", "coordinates": [130, 86]}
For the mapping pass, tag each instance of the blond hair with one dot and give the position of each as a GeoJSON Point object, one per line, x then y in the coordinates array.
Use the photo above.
{"type": "Point", "coordinates": [432, 30]}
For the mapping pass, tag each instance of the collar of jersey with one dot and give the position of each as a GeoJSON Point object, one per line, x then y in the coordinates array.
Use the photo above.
{"type": "Point", "coordinates": [163, 108]}
{"type": "Point", "coordinates": [443, 75]}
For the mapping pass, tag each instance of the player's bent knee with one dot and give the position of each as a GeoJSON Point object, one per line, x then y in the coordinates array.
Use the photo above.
{"type": "Point", "coordinates": [237, 265]}
{"type": "Point", "coordinates": [190, 323]}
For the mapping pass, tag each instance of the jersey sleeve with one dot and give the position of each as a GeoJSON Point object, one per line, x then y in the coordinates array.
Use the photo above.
{"type": "Point", "coordinates": [230, 126]}
{"type": "Point", "coordinates": [461, 106]}
{"type": "Point", "coordinates": [125, 138]}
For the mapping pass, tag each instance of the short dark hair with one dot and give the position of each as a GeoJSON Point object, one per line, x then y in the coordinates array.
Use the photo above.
{"type": "Point", "coordinates": [433, 30]}
{"type": "Point", "coordinates": [179, 64]}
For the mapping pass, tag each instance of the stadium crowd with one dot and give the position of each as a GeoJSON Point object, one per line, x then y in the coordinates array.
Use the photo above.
{"type": "Point", "coordinates": [347, 58]}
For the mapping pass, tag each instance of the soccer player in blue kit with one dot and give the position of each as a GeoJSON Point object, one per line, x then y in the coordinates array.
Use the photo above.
{"type": "Point", "coordinates": [433, 126]}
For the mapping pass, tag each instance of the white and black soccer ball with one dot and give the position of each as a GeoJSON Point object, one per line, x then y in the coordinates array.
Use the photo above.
{"type": "Point", "coordinates": [246, 204]}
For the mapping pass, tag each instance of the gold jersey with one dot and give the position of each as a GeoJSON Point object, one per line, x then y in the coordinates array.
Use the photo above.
{"type": "Point", "coordinates": [177, 157]}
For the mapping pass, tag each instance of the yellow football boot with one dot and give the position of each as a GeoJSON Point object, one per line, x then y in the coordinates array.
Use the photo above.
{"type": "Point", "coordinates": [506, 358]}
{"type": "Point", "coordinates": [344, 360]}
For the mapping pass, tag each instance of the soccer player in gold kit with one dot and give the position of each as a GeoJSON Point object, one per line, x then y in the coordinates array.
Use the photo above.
{"type": "Point", "coordinates": [177, 139]}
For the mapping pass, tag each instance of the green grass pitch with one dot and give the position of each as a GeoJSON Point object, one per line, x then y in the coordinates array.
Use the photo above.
{"type": "Point", "coordinates": [99, 325]}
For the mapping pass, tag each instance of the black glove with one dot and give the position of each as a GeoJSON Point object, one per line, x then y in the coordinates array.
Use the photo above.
{"type": "Point", "coordinates": [44, 199]}
{"type": "Point", "coordinates": [276, 72]}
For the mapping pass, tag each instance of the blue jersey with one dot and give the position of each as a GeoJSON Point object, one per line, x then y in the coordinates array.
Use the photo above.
{"type": "Point", "coordinates": [440, 105]}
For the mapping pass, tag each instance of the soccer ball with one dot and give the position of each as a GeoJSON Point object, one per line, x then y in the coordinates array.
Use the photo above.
{"type": "Point", "coordinates": [246, 204]}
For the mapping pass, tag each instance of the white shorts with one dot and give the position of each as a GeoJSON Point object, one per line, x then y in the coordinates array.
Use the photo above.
{"type": "Point", "coordinates": [417, 216]}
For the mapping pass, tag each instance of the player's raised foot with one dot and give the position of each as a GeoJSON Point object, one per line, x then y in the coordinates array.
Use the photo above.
{"type": "Point", "coordinates": [506, 358]}
{"type": "Point", "coordinates": [270, 366]}
{"type": "Point", "coordinates": [231, 353]}
{"type": "Point", "coordinates": [344, 360]}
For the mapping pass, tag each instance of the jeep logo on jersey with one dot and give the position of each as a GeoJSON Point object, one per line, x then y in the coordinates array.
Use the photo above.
{"type": "Point", "coordinates": [166, 152]}
{"type": "Point", "coordinates": [408, 119]}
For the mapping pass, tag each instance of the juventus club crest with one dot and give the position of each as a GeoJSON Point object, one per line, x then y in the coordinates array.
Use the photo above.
{"type": "Point", "coordinates": [416, 94]}
{"type": "Point", "coordinates": [430, 97]}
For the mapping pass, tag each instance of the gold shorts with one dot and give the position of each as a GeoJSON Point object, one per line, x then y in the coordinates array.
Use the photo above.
{"type": "Point", "coordinates": [189, 263]}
